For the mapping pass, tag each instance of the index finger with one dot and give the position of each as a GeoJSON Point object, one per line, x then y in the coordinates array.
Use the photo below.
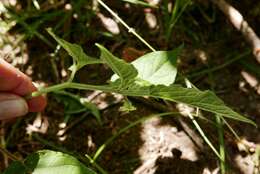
{"type": "Point", "coordinates": [14, 81]}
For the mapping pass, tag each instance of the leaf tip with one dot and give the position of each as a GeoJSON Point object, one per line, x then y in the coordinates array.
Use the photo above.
{"type": "Point", "coordinates": [98, 45]}
{"type": "Point", "coordinates": [49, 30]}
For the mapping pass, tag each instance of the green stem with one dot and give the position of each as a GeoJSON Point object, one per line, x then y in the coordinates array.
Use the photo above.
{"type": "Point", "coordinates": [15, 126]}
{"type": "Point", "coordinates": [220, 129]}
{"type": "Point", "coordinates": [175, 16]}
{"type": "Point", "coordinates": [100, 169]}
{"type": "Point", "coordinates": [130, 30]}
{"type": "Point", "coordinates": [50, 89]}
{"type": "Point", "coordinates": [204, 136]}
{"type": "Point", "coordinates": [221, 144]}
{"type": "Point", "coordinates": [231, 129]}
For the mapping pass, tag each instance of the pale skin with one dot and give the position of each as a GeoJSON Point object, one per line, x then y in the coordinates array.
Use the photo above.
{"type": "Point", "coordinates": [14, 86]}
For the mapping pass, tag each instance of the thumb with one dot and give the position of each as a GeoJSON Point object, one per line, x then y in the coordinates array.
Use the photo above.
{"type": "Point", "coordinates": [11, 106]}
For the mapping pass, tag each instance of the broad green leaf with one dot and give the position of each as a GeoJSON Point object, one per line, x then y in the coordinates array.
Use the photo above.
{"type": "Point", "coordinates": [134, 86]}
{"type": "Point", "coordinates": [51, 162]}
{"type": "Point", "coordinates": [124, 70]}
{"type": "Point", "coordinates": [205, 100]}
{"type": "Point", "coordinates": [158, 67]}
{"type": "Point", "coordinates": [76, 52]}
{"type": "Point", "coordinates": [130, 85]}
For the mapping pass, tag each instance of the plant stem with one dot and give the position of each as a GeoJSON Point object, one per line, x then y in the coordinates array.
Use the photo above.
{"type": "Point", "coordinates": [221, 144]}
{"type": "Point", "coordinates": [12, 131]}
{"type": "Point", "coordinates": [130, 30]}
{"type": "Point", "coordinates": [231, 129]}
{"type": "Point", "coordinates": [204, 136]}
{"type": "Point", "coordinates": [175, 16]}
{"type": "Point", "coordinates": [220, 129]}
{"type": "Point", "coordinates": [74, 86]}
{"type": "Point", "coordinates": [50, 89]}
{"type": "Point", "coordinates": [100, 169]}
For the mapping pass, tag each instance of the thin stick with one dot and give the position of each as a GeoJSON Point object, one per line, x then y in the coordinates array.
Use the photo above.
{"type": "Point", "coordinates": [221, 144]}
{"type": "Point", "coordinates": [130, 29]}
{"type": "Point", "coordinates": [8, 154]}
{"type": "Point", "coordinates": [204, 136]}
{"type": "Point", "coordinates": [241, 25]}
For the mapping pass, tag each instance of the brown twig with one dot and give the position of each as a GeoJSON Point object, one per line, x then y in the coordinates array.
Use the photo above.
{"type": "Point", "coordinates": [238, 21]}
{"type": "Point", "coordinates": [8, 154]}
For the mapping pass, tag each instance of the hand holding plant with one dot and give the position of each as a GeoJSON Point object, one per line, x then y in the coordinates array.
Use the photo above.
{"type": "Point", "coordinates": [14, 86]}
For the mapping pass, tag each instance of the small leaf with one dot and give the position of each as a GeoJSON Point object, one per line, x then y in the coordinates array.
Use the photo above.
{"type": "Point", "coordinates": [127, 106]}
{"type": "Point", "coordinates": [73, 104]}
{"type": "Point", "coordinates": [158, 67]}
{"type": "Point", "coordinates": [93, 109]}
{"type": "Point", "coordinates": [124, 70]}
{"type": "Point", "coordinates": [51, 162]}
{"type": "Point", "coordinates": [76, 52]}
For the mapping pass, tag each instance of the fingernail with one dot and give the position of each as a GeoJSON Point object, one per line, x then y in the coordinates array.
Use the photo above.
{"type": "Point", "coordinates": [13, 107]}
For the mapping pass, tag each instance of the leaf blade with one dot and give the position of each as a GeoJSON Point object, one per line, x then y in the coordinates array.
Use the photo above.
{"type": "Point", "coordinates": [205, 100]}
{"type": "Point", "coordinates": [158, 67]}
{"type": "Point", "coordinates": [76, 52]}
{"type": "Point", "coordinates": [125, 71]}
{"type": "Point", "coordinates": [52, 162]}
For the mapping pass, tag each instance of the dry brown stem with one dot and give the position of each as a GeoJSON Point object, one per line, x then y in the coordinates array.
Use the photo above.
{"type": "Point", "coordinates": [236, 18]}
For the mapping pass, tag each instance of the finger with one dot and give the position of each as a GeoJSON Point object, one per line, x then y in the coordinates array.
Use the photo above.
{"type": "Point", "coordinates": [12, 106]}
{"type": "Point", "coordinates": [37, 104]}
{"type": "Point", "coordinates": [14, 81]}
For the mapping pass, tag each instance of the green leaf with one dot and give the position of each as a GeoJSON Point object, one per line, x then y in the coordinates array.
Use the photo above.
{"type": "Point", "coordinates": [124, 70]}
{"type": "Point", "coordinates": [205, 100]}
{"type": "Point", "coordinates": [130, 85]}
{"type": "Point", "coordinates": [94, 110]}
{"type": "Point", "coordinates": [73, 104]}
{"type": "Point", "coordinates": [127, 106]}
{"type": "Point", "coordinates": [76, 52]}
{"type": "Point", "coordinates": [15, 167]}
{"type": "Point", "coordinates": [158, 67]}
{"type": "Point", "coordinates": [51, 162]}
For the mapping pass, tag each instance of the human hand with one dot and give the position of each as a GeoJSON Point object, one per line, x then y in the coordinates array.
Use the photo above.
{"type": "Point", "coordinates": [13, 86]}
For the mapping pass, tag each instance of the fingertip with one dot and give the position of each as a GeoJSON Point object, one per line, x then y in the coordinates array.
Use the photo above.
{"type": "Point", "coordinates": [37, 104]}
{"type": "Point", "coordinates": [12, 106]}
